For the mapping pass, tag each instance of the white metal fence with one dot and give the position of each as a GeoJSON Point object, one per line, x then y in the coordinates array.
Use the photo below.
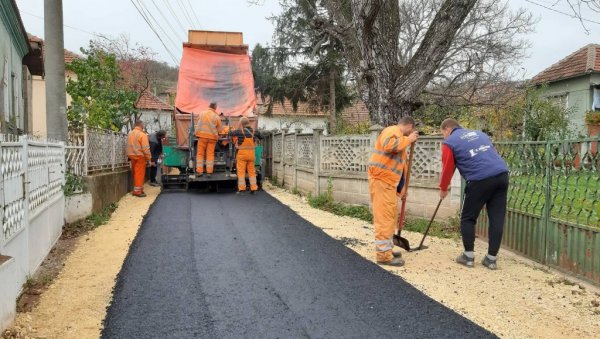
{"type": "Point", "coordinates": [94, 150]}
{"type": "Point", "coordinates": [31, 207]}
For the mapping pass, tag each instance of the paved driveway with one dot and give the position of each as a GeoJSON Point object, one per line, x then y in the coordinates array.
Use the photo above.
{"type": "Point", "coordinates": [226, 266]}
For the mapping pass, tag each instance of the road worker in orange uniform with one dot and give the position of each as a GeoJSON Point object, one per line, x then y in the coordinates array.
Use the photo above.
{"type": "Point", "coordinates": [207, 130]}
{"type": "Point", "coordinates": [138, 151]}
{"type": "Point", "coordinates": [245, 156]}
{"type": "Point", "coordinates": [387, 168]}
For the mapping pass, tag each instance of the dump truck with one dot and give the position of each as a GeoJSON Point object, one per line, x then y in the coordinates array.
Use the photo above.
{"type": "Point", "coordinates": [215, 67]}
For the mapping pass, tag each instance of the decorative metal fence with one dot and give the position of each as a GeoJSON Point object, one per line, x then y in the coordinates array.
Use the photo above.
{"type": "Point", "coordinates": [94, 151]}
{"type": "Point", "coordinates": [554, 204]}
{"type": "Point", "coordinates": [31, 181]}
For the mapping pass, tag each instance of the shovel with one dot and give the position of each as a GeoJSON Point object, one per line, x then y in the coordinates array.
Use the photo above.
{"type": "Point", "coordinates": [421, 246]}
{"type": "Point", "coordinates": [399, 240]}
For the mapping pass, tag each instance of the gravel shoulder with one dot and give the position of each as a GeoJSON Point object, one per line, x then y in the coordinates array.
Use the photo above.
{"type": "Point", "coordinates": [520, 300]}
{"type": "Point", "coordinates": [74, 305]}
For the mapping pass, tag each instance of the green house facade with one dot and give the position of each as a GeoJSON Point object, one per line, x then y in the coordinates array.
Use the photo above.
{"type": "Point", "coordinates": [575, 82]}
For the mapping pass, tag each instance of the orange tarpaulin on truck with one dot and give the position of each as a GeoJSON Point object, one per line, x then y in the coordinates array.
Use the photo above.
{"type": "Point", "coordinates": [183, 123]}
{"type": "Point", "coordinates": [206, 77]}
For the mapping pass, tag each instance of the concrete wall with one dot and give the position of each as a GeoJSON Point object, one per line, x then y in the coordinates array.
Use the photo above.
{"type": "Point", "coordinates": [78, 207]}
{"type": "Point", "coordinates": [108, 188]}
{"type": "Point", "coordinates": [350, 189]}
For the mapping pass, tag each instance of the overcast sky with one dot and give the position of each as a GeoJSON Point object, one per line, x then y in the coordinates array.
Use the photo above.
{"type": "Point", "coordinates": [556, 36]}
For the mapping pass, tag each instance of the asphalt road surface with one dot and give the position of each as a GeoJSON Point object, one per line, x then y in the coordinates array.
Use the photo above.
{"type": "Point", "coordinates": [209, 265]}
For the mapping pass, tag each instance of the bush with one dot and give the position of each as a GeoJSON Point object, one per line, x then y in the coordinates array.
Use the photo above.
{"type": "Point", "coordinates": [74, 184]}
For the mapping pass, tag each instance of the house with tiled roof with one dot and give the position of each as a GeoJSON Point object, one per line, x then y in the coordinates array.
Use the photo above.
{"type": "Point", "coordinates": [575, 82]}
{"type": "Point", "coordinates": [39, 88]}
{"type": "Point", "coordinates": [282, 115]}
{"type": "Point", "coordinates": [155, 113]}
{"type": "Point", "coordinates": [306, 117]}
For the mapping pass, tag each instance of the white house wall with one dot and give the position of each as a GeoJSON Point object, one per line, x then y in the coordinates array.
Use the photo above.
{"type": "Point", "coordinates": [291, 122]}
{"type": "Point", "coordinates": [157, 120]}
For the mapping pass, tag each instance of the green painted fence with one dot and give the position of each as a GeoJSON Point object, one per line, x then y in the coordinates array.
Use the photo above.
{"type": "Point", "coordinates": [553, 213]}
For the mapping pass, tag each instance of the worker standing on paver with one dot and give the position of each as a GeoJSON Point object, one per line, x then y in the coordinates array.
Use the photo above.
{"type": "Point", "coordinates": [138, 152]}
{"type": "Point", "coordinates": [156, 150]}
{"type": "Point", "coordinates": [207, 131]}
{"type": "Point", "coordinates": [387, 168]}
{"type": "Point", "coordinates": [486, 173]}
{"type": "Point", "coordinates": [245, 155]}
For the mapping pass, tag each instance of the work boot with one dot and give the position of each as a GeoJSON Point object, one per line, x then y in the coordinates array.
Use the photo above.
{"type": "Point", "coordinates": [208, 175]}
{"type": "Point", "coordinates": [154, 184]}
{"type": "Point", "coordinates": [489, 263]}
{"type": "Point", "coordinates": [396, 262]}
{"type": "Point", "coordinates": [465, 261]}
{"type": "Point", "coordinates": [141, 195]}
{"type": "Point", "coordinates": [397, 254]}
{"type": "Point", "coordinates": [253, 192]}
{"type": "Point", "coordinates": [240, 192]}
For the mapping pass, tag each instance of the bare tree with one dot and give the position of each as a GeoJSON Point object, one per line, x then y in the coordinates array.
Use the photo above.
{"type": "Point", "coordinates": [135, 63]}
{"type": "Point", "coordinates": [398, 49]}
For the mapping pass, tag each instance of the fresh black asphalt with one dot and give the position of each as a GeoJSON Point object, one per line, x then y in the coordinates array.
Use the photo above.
{"type": "Point", "coordinates": [209, 265]}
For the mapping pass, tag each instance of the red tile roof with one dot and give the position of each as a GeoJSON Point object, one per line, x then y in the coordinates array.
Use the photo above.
{"type": "Point", "coordinates": [585, 60]}
{"type": "Point", "coordinates": [69, 56]}
{"type": "Point", "coordinates": [304, 109]}
{"type": "Point", "coordinates": [149, 101]}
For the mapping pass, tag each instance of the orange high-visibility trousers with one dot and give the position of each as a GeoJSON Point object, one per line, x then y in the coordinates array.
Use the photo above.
{"type": "Point", "coordinates": [205, 155]}
{"type": "Point", "coordinates": [245, 162]}
{"type": "Point", "coordinates": [385, 214]}
{"type": "Point", "coordinates": [138, 168]}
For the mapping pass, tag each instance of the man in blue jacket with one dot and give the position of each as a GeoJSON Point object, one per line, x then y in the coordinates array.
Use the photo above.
{"type": "Point", "coordinates": [486, 173]}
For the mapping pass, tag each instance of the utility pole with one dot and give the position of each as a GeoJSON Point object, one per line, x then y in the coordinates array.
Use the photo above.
{"type": "Point", "coordinates": [54, 66]}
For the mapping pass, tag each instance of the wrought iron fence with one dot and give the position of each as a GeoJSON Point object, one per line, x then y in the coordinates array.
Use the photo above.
{"type": "Point", "coordinates": [554, 203]}
{"type": "Point", "coordinates": [93, 150]}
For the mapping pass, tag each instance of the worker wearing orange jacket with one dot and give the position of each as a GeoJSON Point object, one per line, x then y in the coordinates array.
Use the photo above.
{"type": "Point", "coordinates": [245, 156]}
{"type": "Point", "coordinates": [207, 130]}
{"type": "Point", "coordinates": [387, 168]}
{"type": "Point", "coordinates": [138, 151]}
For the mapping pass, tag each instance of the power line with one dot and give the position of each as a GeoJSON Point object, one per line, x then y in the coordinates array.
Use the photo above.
{"type": "Point", "coordinates": [175, 16]}
{"type": "Point", "coordinates": [185, 13]}
{"type": "Point", "coordinates": [563, 13]}
{"type": "Point", "coordinates": [151, 16]}
{"type": "Point", "coordinates": [165, 18]}
{"type": "Point", "coordinates": [71, 27]}
{"type": "Point", "coordinates": [155, 32]}
{"type": "Point", "coordinates": [193, 11]}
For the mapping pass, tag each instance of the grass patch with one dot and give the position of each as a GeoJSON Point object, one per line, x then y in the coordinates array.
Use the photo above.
{"type": "Point", "coordinates": [574, 196]}
{"type": "Point", "coordinates": [325, 202]}
{"type": "Point", "coordinates": [97, 219]}
{"type": "Point", "coordinates": [438, 229]}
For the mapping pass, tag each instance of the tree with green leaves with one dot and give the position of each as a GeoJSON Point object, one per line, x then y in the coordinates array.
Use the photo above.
{"type": "Point", "coordinates": [307, 82]}
{"type": "Point", "coordinates": [99, 98]}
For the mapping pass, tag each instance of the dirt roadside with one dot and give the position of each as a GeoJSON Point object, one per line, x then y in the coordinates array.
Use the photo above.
{"type": "Point", "coordinates": [74, 305]}
{"type": "Point", "coordinates": [520, 300]}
